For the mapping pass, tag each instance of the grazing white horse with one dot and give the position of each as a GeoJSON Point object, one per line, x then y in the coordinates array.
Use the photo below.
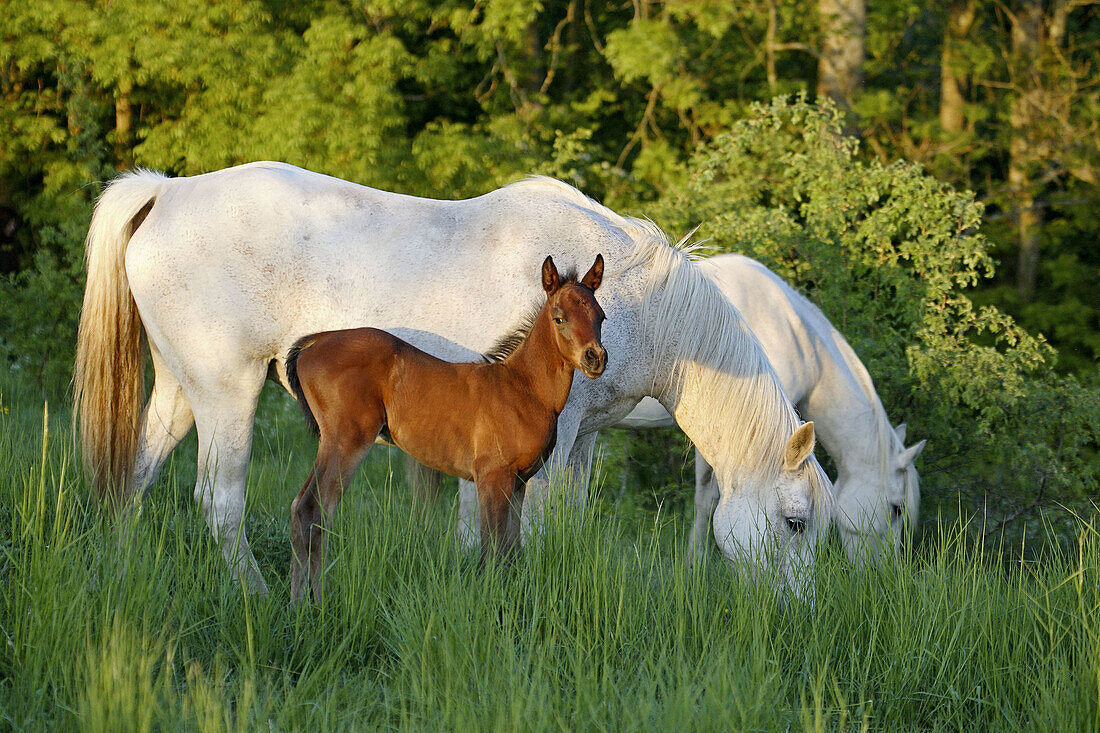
{"type": "Point", "coordinates": [225, 271]}
{"type": "Point", "coordinates": [877, 485]}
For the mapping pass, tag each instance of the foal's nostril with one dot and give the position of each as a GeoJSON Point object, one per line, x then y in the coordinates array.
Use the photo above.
{"type": "Point", "coordinates": [593, 359]}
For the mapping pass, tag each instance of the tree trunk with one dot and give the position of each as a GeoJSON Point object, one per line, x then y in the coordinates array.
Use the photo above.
{"type": "Point", "coordinates": [1027, 29]}
{"type": "Point", "coordinates": [840, 66]}
{"type": "Point", "coordinates": [770, 46]}
{"type": "Point", "coordinates": [960, 18]}
{"type": "Point", "coordinates": [124, 121]}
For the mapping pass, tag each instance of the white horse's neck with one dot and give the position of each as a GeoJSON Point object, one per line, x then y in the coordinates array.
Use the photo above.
{"type": "Point", "coordinates": [689, 396]}
{"type": "Point", "coordinates": [711, 373]}
{"type": "Point", "coordinates": [846, 410]}
{"type": "Point", "coordinates": [817, 368]}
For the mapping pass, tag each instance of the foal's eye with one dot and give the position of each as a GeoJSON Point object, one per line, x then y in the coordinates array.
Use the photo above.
{"type": "Point", "coordinates": [559, 321]}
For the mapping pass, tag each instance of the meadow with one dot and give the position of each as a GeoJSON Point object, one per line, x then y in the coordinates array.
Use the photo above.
{"type": "Point", "coordinates": [952, 241]}
{"type": "Point", "coordinates": [140, 626]}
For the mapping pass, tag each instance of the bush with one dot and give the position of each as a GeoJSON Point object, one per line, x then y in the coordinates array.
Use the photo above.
{"type": "Point", "coordinates": [889, 254]}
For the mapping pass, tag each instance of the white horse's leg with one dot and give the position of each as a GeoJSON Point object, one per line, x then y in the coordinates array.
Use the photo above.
{"type": "Point", "coordinates": [467, 531]}
{"type": "Point", "coordinates": [224, 420]}
{"type": "Point", "coordinates": [166, 422]}
{"type": "Point", "coordinates": [706, 500]}
{"type": "Point", "coordinates": [580, 466]}
{"type": "Point", "coordinates": [562, 475]}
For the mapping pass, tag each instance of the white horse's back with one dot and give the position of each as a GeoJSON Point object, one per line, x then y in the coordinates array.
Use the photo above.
{"type": "Point", "coordinates": [301, 251]}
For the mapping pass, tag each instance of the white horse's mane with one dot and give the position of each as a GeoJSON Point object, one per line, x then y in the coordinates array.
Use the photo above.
{"type": "Point", "coordinates": [686, 314]}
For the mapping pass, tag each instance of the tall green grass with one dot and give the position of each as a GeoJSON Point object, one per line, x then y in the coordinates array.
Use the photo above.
{"type": "Point", "coordinates": [140, 626]}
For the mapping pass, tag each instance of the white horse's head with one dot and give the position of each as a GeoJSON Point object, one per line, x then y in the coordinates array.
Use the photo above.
{"type": "Point", "coordinates": [877, 505]}
{"type": "Point", "coordinates": [773, 526]}
{"type": "Point", "coordinates": [712, 375]}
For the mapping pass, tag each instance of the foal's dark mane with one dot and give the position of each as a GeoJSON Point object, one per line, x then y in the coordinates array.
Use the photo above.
{"type": "Point", "coordinates": [507, 344]}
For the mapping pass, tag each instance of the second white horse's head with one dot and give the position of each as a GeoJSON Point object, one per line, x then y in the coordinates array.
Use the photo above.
{"type": "Point", "coordinates": [878, 500]}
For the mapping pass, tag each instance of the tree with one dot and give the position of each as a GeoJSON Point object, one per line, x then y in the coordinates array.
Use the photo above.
{"type": "Point", "coordinates": [1043, 134]}
{"type": "Point", "coordinates": [960, 19]}
{"type": "Point", "coordinates": [1024, 146]}
{"type": "Point", "coordinates": [840, 63]}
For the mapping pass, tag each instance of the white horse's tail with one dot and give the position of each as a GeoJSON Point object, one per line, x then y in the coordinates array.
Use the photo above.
{"type": "Point", "coordinates": [108, 376]}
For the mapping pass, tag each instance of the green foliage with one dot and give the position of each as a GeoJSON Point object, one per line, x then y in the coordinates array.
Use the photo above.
{"type": "Point", "coordinates": [891, 255]}
{"type": "Point", "coordinates": [649, 470]}
{"type": "Point", "coordinates": [646, 49]}
{"type": "Point", "coordinates": [40, 313]}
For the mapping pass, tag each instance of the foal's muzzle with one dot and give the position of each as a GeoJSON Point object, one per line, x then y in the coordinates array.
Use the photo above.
{"type": "Point", "coordinates": [595, 361]}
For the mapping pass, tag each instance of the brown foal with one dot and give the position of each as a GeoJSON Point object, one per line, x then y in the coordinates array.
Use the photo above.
{"type": "Point", "coordinates": [493, 423]}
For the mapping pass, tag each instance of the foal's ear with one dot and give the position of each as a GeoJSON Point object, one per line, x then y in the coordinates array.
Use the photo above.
{"type": "Point", "coordinates": [594, 276]}
{"type": "Point", "coordinates": [800, 446]}
{"type": "Point", "coordinates": [550, 279]}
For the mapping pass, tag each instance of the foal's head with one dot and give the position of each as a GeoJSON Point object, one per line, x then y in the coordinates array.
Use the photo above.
{"type": "Point", "coordinates": [576, 317]}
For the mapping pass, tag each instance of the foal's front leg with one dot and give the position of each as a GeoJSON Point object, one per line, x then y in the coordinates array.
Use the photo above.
{"type": "Point", "coordinates": [494, 492]}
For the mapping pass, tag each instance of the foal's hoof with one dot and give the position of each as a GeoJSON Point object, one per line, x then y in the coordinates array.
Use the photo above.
{"type": "Point", "coordinates": [299, 591]}
{"type": "Point", "coordinates": [503, 559]}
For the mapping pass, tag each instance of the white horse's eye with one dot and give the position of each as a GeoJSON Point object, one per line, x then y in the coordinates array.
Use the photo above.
{"type": "Point", "coordinates": [795, 524]}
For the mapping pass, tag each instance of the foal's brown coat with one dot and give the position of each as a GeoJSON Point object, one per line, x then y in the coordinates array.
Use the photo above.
{"type": "Point", "coordinates": [492, 423]}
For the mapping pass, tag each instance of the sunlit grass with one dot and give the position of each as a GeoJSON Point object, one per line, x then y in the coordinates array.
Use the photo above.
{"type": "Point", "coordinates": [140, 626]}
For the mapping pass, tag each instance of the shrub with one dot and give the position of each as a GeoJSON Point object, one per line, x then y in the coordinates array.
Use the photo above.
{"type": "Point", "coordinates": [889, 254]}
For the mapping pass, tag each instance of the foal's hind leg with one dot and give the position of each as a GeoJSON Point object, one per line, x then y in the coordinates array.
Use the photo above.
{"type": "Point", "coordinates": [312, 510]}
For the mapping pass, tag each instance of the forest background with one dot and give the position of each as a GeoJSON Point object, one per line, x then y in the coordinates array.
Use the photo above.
{"type": "Point", "coordinates": [925, 172]}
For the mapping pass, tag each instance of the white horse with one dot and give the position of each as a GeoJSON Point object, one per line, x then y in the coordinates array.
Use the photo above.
{"type": "Point", "coordinates": [225, 271]}
{"type": "Point", "coordinates": [877, 484]}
